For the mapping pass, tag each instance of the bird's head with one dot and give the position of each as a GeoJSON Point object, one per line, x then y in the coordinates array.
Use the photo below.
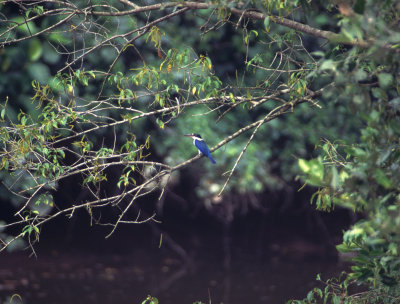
{"type": "Point", "coordinates": [194, 135]}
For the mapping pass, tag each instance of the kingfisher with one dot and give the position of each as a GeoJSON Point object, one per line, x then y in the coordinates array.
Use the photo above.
{"type": "Point", "coordinates": [201, 146]}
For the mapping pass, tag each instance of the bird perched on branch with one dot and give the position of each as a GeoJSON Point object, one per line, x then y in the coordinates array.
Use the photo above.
{"type": "Point", "coordinates": [201, 145]}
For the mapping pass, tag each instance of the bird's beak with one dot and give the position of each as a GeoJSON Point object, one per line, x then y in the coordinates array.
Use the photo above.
{"type": "Point", "coordinates": [188, 135]}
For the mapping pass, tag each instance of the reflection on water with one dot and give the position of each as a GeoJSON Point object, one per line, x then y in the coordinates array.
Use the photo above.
{"type": "Point", "coordinates": [128, 278]}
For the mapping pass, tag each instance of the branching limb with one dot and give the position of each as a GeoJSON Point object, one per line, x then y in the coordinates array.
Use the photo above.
{"type": "Point", "coordinates": [245, 148]}
{"type": "Point", "coordinates": [62, 144]}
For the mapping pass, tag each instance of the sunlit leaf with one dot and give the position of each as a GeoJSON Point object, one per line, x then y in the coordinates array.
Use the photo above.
{"type": "Point", "coordinates": [35, 49]}
{"type": "Point", "coordinates": [385, 80]}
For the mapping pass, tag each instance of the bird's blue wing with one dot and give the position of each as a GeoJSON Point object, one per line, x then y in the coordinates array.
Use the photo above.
{"type": "Point", "coordinates": [203, 148]}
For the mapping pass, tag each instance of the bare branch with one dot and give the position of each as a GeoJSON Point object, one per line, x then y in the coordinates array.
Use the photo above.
{"type": "Point", "coordinates": [127, 2]}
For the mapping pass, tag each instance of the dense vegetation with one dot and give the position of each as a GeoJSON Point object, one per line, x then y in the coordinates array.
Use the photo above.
{"type": "Point", "coordinates": [100, 93]}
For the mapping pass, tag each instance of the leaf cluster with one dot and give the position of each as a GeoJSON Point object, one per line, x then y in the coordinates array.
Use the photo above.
{"type": "Point", "coordinates": [364, 176]}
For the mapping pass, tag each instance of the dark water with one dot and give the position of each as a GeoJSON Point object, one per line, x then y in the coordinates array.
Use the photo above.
{"type": "Point", "coordinates": [258, 260]}
{"type": "Point", "coordinates": [87, 277]}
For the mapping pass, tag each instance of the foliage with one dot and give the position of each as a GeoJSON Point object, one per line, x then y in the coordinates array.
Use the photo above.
{"type": "Point", "coordinates": [96, 113]}
{"type": "Point", "coordinates": [150, 300]}
{"type": "Point", "coordinates": [365, 179]}
{"type": "Point", "coordinates": [336, 291]}
{"type": "Point", "coordinates": [154, 300]}
{"type": "Point", "coordinates": [104, 91]}
{"type": "Point", "coordinates": [365, 176]}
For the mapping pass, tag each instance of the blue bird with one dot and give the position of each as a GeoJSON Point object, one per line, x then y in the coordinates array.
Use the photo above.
{"type": "Point", "coordinates": [201, 146]}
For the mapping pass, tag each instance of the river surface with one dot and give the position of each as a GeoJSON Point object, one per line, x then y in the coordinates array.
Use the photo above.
{"type": "Point", "coordinates": [89, 277]}
{"type": "Point", "coordinates": [183, 260]}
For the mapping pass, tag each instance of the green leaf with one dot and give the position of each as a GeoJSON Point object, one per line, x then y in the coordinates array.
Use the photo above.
{"type": "Point", "coordinates": [317, 168]}
{"type": "Point", "coordinates": [27, 28]}
{"type": "Point", "coordinates": [5, 163]}
{"type": "Point", "coordinates": [317, 290]}
{"type": "Point", "coordinates": [26, 229]}
{"type": "Point", "coordinates": [254, 32]}
{"type": "Point", "coordinates": [150, 300]}
{"type": "Point", "coordinates": [59, 37]}
{"type": "Point", "coordinates": [39, 72]}
{"type": "Point", "coordinates": [360, 75]}
{"type": "Point", "coordinates": [35, 49]}
{"type": "Point", "coordinates": [328, 65]}
{"type": "Point", "coordinates": [335, 178]}
{"type": "Point", "coordinates": [84, 80]}
{"type": "Point", "coordinates": [357, 152]}
{"type": "Point", "coordinates": [232, 97]}
{"type": "Point", "coordinates": [384, 155]}
{"type": "Point", "coordinates": [382, 179]}
{"type": "Point", "coordinates": [318, 54]}
{"type": "Point", "coordinates": [310, 296]}
{"type": "Point", "coordinates": [385, 80]}
{"type": "Point", "coordinates": [160, 123]}
{"type": "Point", "coordinates": [344, 248]}
{"type": "Point", "coordinates": [266, 23]}
{"type": "Point", "coordinates": [303, 164]}
{"type": "Point", "coordinates": [62, 153]}
{"type": "Point", "coordinates": [336, 299]}
{"type": "Point", "coordinates": [342, 37]}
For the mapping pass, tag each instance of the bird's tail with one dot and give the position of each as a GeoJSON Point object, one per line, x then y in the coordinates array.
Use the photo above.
{"type": "Point", "coordinates": [212, 159]}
